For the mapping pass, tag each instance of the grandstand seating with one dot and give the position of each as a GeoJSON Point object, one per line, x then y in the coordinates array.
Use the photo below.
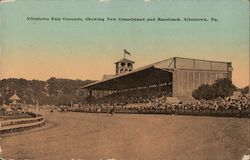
{"type": "Point", "coordinates": [159, 102]}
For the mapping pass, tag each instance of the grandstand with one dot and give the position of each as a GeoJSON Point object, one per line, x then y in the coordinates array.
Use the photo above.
{"type": "Point", "coordinates": [174, 77]}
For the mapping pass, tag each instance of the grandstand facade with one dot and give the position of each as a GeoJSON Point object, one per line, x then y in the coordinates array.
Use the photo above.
{"type": "Point", "coordinates": [175, 77]}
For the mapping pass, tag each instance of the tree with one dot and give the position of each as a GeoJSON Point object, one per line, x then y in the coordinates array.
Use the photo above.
{"type": "Point", "coordinates": [221, 88]}
{"type": "Point", "coordinates": [204, 92]}
{"type": "Point", "coordinates": [245, 90]}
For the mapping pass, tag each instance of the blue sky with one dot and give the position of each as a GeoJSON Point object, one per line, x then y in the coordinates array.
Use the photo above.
{"type": "Point", "coordinates": [87, 50]}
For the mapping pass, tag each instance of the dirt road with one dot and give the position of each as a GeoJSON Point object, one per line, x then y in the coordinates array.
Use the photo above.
{"type": "Point", "coordinates": [83, 136]}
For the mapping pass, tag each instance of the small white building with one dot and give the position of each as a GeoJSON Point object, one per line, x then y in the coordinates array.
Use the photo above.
{"type": "Point", "coordinates": [14, 99]}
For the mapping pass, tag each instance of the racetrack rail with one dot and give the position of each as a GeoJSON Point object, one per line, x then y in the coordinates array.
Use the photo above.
{"type": "Point", "coordinates": [8, 126]}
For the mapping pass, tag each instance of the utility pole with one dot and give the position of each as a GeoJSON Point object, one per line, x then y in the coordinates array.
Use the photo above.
{"type": "Point", "coordinates": [36, 108]}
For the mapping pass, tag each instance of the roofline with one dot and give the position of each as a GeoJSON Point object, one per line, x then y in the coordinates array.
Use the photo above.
{"type": "Point", "coordinates": [203, 60]}
{"type": "Point", "coordinates": [119, 61]}
{"type": "Point", "coordinates": [125, 59]}
{"type": "Point", "coordinates": [147, 67]}
{"type": "Point", "coordinates": [121, 75]}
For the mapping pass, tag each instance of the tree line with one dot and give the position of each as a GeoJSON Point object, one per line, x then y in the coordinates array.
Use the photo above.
{"type": "Point", "coordinates": [53, 91]}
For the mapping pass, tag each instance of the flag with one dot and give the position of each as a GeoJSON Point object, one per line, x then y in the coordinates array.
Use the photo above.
{"type": "Point", "coordinates": [126, 52]}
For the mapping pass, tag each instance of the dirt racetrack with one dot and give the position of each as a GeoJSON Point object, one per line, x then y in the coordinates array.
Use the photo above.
{"type": "Point", "coordinates": [89, 136]}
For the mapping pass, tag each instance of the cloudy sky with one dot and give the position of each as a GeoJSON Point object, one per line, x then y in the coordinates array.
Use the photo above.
{"type": "Point", "coordinates": [88, 49]}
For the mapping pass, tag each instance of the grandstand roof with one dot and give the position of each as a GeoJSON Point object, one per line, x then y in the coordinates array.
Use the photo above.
{"type": "Point", "coordinates": [159, 72]}
{"type": "Point", "coordinates": [147, 75]}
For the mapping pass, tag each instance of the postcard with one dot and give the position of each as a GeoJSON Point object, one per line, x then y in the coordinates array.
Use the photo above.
{"type": "Point", "coordinates": [124, 80]}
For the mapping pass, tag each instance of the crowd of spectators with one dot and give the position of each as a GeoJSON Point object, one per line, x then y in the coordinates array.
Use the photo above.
{"type": "Point", "coordinates": [141, 101]}
{"type": "Point", "coordinates": [160, 103]}
{"type": "Point", "coordinates": [134, 96]}
{"type": "Point", "coordinates": [14, 111]}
